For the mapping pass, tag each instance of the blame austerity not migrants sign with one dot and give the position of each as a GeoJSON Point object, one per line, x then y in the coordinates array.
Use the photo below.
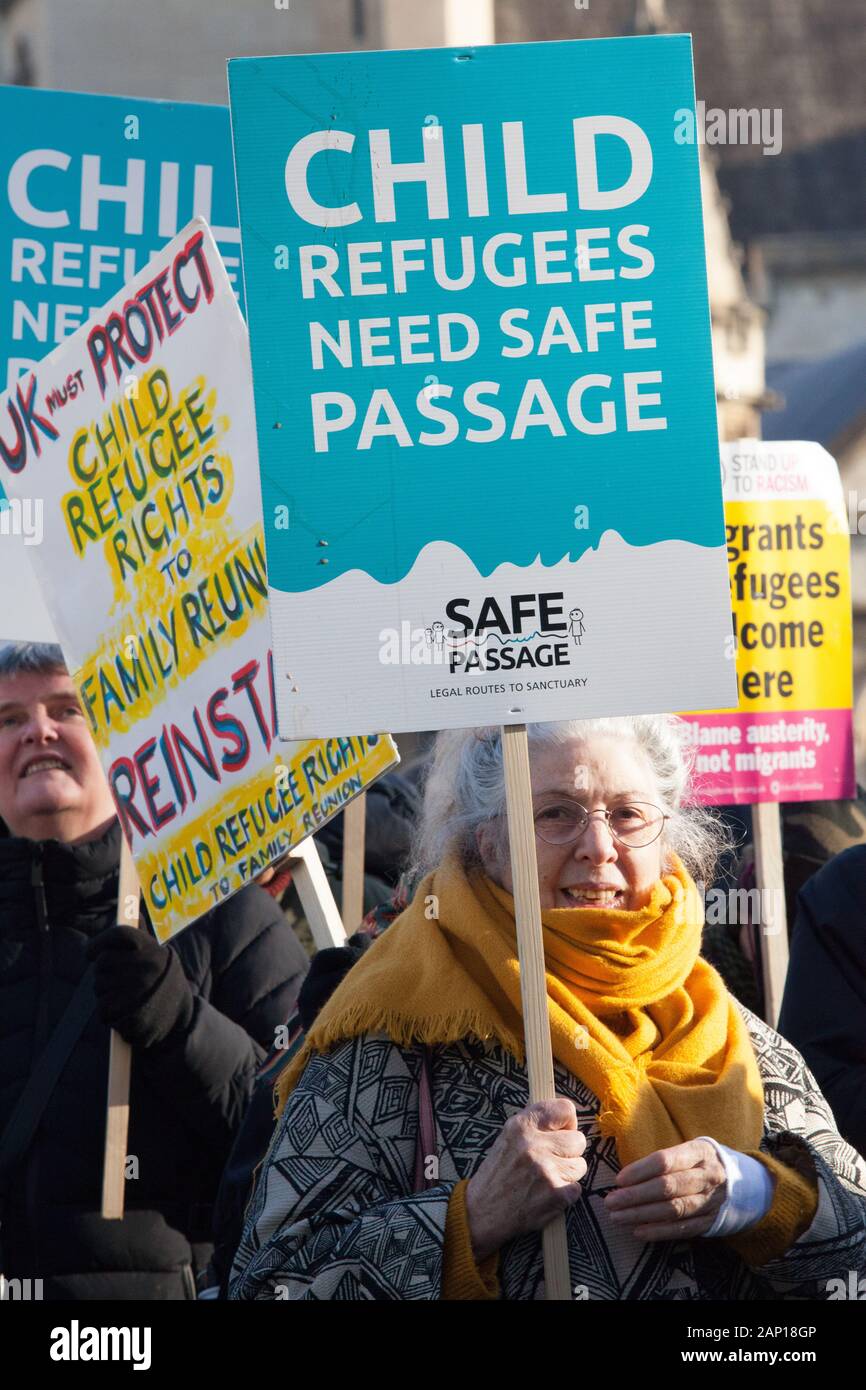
{"type": "Point", "coordinates": [791, 737]}
{"type": "Point", "coordinates": [153, 569]}
{"type": "Point", "coordinates": [476, 291]}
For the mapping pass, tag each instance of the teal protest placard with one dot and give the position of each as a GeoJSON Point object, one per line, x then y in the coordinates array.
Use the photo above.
{"type": "Point", "coordinates": [92, 187]}
{"type": "Point", "coordinates": [477, 300]}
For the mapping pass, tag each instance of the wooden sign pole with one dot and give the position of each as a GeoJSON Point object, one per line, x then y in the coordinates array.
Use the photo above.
{"type": "Point", "coordinates": [354, 826]}
{"type": "Point", "coordinates": [533, 987]}
{"type": "Point", "coordinates": [773, 917]}
{"type": "Point", "coordinates": [321, 912]}
{"type": "Point", "coordinates": [315, 894]}
{"type": "Point", "coordinates": [119, 1060]}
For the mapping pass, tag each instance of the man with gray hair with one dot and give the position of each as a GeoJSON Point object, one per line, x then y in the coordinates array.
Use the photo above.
{"type": "Point", "coordinates": [199, 1015]}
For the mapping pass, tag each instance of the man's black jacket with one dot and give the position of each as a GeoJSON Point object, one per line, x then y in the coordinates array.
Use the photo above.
{"type": "Point", "coordinates": [824, 1005]}
{"type": "Point", "coordinates": [188, 1093]}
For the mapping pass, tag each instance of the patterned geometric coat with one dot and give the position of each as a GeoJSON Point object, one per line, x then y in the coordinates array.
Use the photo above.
{"type": "Point", "coordinates": [334, 1215]}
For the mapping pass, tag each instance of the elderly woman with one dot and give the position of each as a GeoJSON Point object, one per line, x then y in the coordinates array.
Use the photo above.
{"type": "Point", "coordinates": [689, 1146]}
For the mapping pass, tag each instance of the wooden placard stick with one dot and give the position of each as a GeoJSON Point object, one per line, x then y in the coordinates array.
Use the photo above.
{"type": "Point", "coordinates": [773, 917]}
{"type": "Point", "coordinates": [315, 894]}
{"type": "Point", "coordinates": [119, 1060]}
{"type": "Point", "coordinates": [533, 987]}
{"type": "Point", "coordinates": [321, 912]}
{"type": "Point", "coordinates": [354, 827]}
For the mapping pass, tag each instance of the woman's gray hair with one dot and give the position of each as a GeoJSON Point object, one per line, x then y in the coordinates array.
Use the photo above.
{"type": "Point", "coordinates": [465, 790]}
{"type": "Point", "coordinates": [31, 658]}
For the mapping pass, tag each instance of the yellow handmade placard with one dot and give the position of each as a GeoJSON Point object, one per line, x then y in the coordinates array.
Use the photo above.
{"type": "Point", "coordinates": [790, 737]}
{"type": "Point", "coordinates": [138, 433]}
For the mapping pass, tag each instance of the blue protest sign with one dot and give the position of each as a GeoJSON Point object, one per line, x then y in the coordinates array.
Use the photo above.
{"type": "Point", "coordinates": [477, 300]}
{"type": "Point", "coordinates": [93, 187]}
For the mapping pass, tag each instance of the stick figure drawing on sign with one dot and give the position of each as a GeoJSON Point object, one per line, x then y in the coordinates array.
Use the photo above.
{"type": "Point", "coordinates": [435, 636]}
{"type": "Point", "coordinates": [576, 625]}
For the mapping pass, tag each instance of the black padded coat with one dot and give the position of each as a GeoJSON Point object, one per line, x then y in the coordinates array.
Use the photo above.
{"type": "Point", "coordinates": [188, 1093]}
{"type": "Point", "coordinates": [824, 1005]}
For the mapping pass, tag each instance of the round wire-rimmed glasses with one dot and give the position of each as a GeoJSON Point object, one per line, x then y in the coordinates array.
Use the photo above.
{"type": "Point", "coordinates": [635, 824]}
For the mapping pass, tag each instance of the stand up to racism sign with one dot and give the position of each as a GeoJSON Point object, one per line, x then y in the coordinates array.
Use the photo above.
{"type": "Point", "coordinates": [791, 739]}
{"type": "Point", "coordinates": [477, 299]}
{"type": "Point", "coordinates": [153, 569]}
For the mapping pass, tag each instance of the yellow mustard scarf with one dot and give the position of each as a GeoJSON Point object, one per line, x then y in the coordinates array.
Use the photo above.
{"type": "Point", "coordinates": [634, 1012]}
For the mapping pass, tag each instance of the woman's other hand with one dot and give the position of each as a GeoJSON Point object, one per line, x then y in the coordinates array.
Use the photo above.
{"type": "Point", "coordinates": [672, 1194]}
{"type": "Point", "coordinates": [531, 1174]}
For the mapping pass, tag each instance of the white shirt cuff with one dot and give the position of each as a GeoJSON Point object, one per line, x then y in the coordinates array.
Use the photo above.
{"type": "Point", "coordinates": [749, 1191]}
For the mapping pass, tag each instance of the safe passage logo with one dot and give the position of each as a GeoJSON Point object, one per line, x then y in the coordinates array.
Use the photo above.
{"type": "Point", "coordinates": [524, 631]}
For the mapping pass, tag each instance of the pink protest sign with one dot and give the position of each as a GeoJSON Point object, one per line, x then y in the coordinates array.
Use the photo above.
{"type": "Point", "coordinates": [791, 737]}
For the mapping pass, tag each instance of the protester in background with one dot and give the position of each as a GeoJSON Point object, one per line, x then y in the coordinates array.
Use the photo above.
{"type": "Point", "coordinates": [689, 1147]}
{"type": "Point", "coordinates": [198, 1013]}
{"type": "Point", "coordinates": [392, 803]}
{"type": "Point", "coordinates": [392, 806]}
{"type": "Point", "coordinates": [824, 1005]}
{"type": "Point", "coordinates": [812, 833]}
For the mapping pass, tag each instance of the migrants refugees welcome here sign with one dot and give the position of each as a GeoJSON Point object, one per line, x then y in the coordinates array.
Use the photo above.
{"type": "Point", "coordinates": [477, 299]}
